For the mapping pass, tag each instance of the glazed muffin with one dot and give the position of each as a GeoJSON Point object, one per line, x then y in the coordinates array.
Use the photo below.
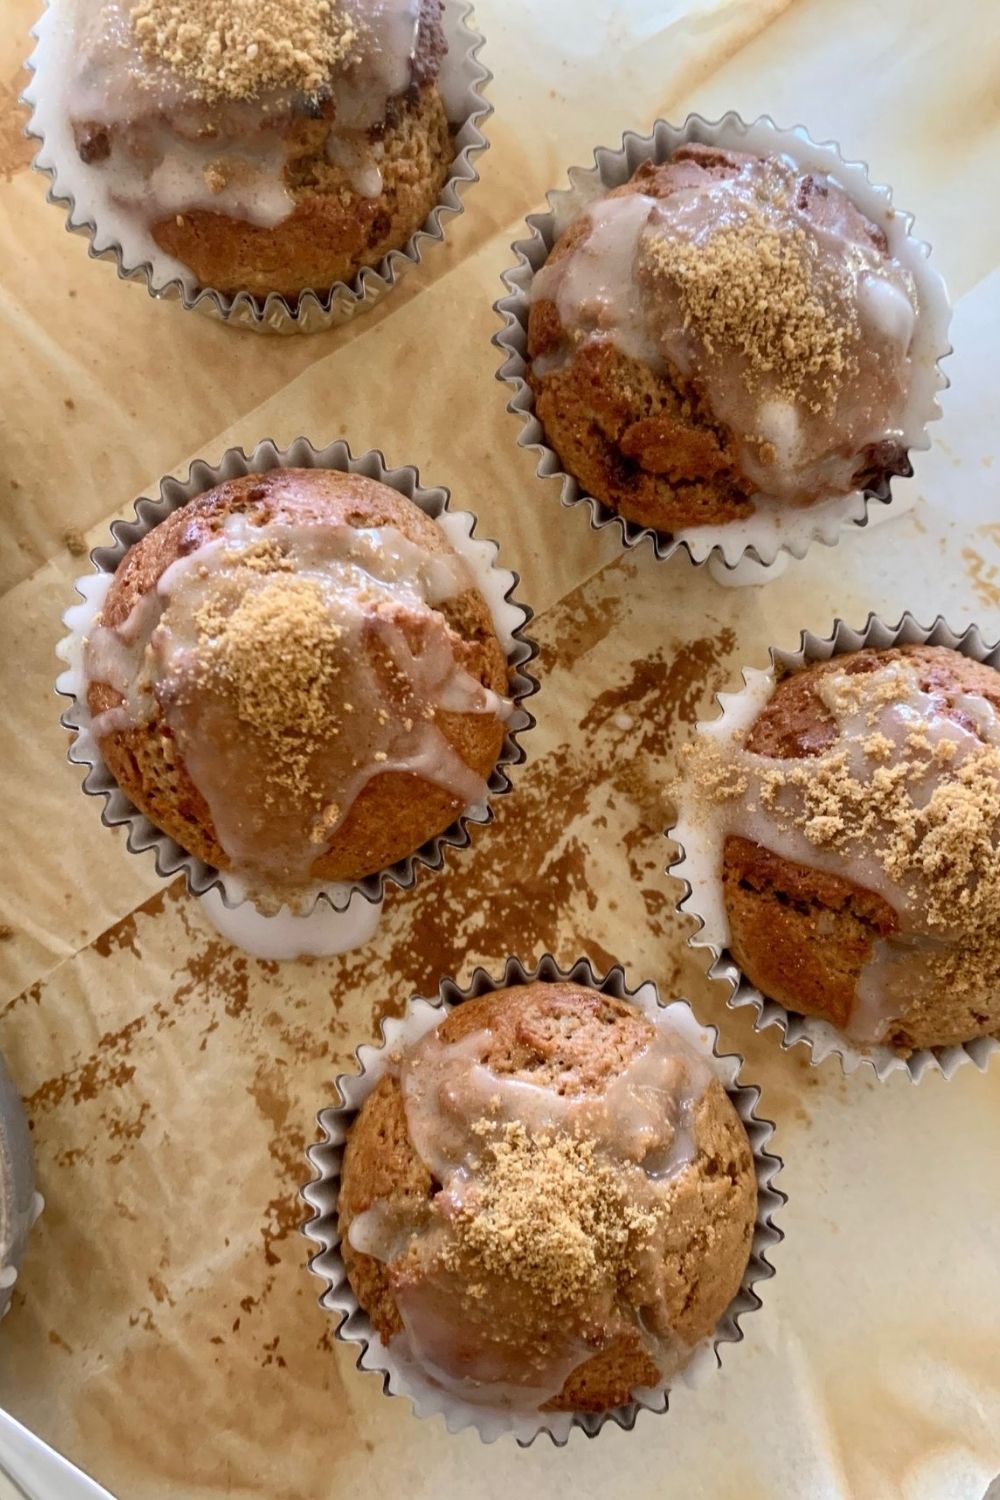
{"type": "Point", "coordinates": [722, 333]}
{"type": "Point", "coordinates": [857, 834]}
{"type": "Point", "coordinates": [547, 1202]}
{"type": "Point", "coordinates": [296, 678]}
{"type": "Point", "coordinates": [264, 146]}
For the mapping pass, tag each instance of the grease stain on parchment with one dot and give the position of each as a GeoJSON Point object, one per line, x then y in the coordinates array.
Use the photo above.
{"type": "Point", "coordinates": [17, 151]}
{"type": "Point", "coordinates": [890, 1418]}
{"type": "Point", "coordinates": [984, 577]}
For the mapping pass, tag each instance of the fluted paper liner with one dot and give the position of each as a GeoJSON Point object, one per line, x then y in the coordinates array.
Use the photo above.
{"type": "Point", "coordinates": [773, 529]}
{"type": "Point", "coordinates": [691, 867]}
{"type": "Point", "coordinates": [321, 1194]}
{"type": "Point", "coordinates": [20, 1205]}
{"type": "Point", "coordinates": [497, 585]}
{"type": "Point", "coordinates": [461, 82]}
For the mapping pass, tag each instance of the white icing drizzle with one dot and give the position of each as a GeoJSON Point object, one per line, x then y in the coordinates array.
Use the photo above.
{"type": "Point", "coordinates": [642, 1123]}
{"type": "Point", "coordinates": [168, 153]}
{"type": "Point", "coordinates": [896, 976]}
{"type": "Point", "coordinates": [604, 289]}
{"type": "Point", "coordinates": [115, 656]}
{"type": "Point", "coordinates": [594, 286]}
{"type": "Point", "coordinates": [397, 669]}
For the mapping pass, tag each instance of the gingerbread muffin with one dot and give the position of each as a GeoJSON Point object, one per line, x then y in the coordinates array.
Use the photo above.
{"type": "Point", "coordinates": [265, 145]}
{"type": "Point", "coordinates": [295, 676]}
{"type": "Point", "coordinates": [722, 333]}
{"type": "Point", "coordinates": [857, 834]}
{"type": "Point", "coordinates": [547, 1202]}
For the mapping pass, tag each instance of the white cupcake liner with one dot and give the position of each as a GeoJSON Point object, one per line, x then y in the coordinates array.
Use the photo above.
{"type": "Point", "coordinates": [774, 534]}
{"type": "Point", "coordinates": [693, 867]}
{"type": "Point", "coordinates": [321, 1194]}
{"type": "Point", "coordinates": [461, 82]}
{"type": "Point", "coordinates": [497, 584]}
{"type": "Point", "coordinates": [20, 1205]}
{"type": "Point", "coordinates": [31, 1469]}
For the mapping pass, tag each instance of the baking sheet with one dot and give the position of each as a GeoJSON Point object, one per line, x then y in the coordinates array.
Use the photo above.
{"type": "Point", "coordinates": [165, 1332]}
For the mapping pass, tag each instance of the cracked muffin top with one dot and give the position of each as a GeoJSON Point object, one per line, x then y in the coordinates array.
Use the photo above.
{"type": "Point", "coordinates": [726, 331]}
{"type": "Point", "coordinates": [295, 676]}
{"type": "Point", "coordinates": [264, 146]}
{"type": "Point", "coordinates": [547, 1201]}
{"type": "Point", "coordinates": [855, 824]}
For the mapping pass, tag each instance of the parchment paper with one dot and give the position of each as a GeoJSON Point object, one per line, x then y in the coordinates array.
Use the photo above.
{"type": "Point", "coordinates": [165, 1332]}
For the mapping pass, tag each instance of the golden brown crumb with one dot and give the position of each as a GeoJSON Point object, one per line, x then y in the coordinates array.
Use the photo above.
{"type": "Point", "coordinates": [930, 822]}
{"type": "Point", "coordinates": [326, 821]}
{"type": "Point", "coordinates": [227, 51]}
{"type": "Point", "coordinates": [548, 1212]}
{"type": "Point", "coordinates": [755, 287]}
{"type": "Point", "coordinates": [216, 177]}
{"type": "Point", "coordinates": [878, 746]}
{"type": "Point", "coordinates": [843, 693]}
{"type": "Point", "coordinates": [950, 840]}
{"type": "Point", "coordinates": [75, 544]}
{"type": "Point", "coordinates": [264, 556]}
{"type": "Point", "coordinates": [276, 657]}
{"type": "Point", "coordinates": [718, 777]}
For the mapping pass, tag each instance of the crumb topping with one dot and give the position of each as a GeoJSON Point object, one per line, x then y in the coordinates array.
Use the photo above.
{"type": "Point", "coordinates": [950, 840]}
{"type": "Point", "coordinates": [549, 1212]}
{"type": "Point", "coordinates": [923, 806]}
{"type": "Point", "coordinates": [276, 656]}
{"type": "Point", "coordinates": [227, 50]}
{"type": "Point", "coordinates": [280, 667]}
{"type": "Point", "coordinates": [755, 283]}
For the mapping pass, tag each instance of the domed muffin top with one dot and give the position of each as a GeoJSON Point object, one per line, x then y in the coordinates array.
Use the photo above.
{"type": "Point", "coordinates": [289, 654]}
{"type": "Point", "coordinates": [767, 289]}
{"type": "Point", "coordinates": [565, 1136]}
{"type": "Point", "coordinates": [165, 54]}
{"type": "Point", "coordinates": [881, 768]}
{"type": "Point", "coordinates": [193, 106]}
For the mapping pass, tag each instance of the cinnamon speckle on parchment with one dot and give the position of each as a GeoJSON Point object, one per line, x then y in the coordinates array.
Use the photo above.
{"type": "Point", "coordinates": [208, 1068]}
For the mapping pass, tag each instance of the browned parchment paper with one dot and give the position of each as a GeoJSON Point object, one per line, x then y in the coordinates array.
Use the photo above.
{"type": "Point", "coordinates": [165, 1331]}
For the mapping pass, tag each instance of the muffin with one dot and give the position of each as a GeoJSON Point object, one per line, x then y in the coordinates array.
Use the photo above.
{"type": "Point", "coordinates": [295, 677]}
{"type": "Point", "coordinates": [263, 146]}
{"type": "Point", "coordinates": [723, 333]}
{"type": "Point", "coordinates": [547, 1202]}
{"type": "Point", "coordinates": [855, 826]}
